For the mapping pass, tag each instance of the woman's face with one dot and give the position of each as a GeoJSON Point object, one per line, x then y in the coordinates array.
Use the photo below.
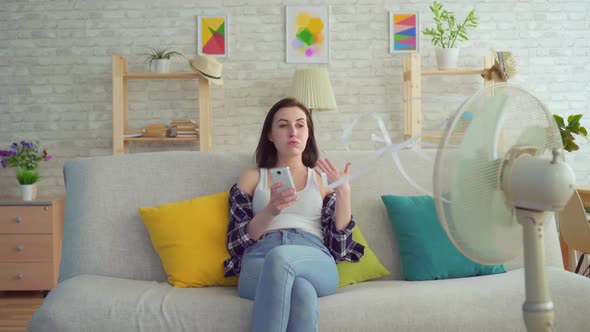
{"type": "Point", "coordinates": [289, 131]}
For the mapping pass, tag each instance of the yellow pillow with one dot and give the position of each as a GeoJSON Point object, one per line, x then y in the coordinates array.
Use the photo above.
{"type": "Point", "coordinates": [369, 267]}
{"type": "Point", "coordinates": [189, 237]}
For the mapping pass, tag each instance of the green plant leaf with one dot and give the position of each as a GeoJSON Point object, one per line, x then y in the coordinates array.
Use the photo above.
{"type": "Point", "coordinates": [448, 30]}
{"type": "Point", "coordinates": [155, 54]}
{"type": "Point", "coordinates": [27, 176]}
{"type": "Point", "coordinates": [566, 131]}
{"type": "Point", "coordinates": [573, 119]}
{"type": "Point", "coordinates": [574, 147]}
{"type": "Point", "coordinates": [559, 120]}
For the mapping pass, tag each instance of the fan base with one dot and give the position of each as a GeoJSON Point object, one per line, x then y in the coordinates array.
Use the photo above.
{"type": "Point", "coordinates": [538, 321]}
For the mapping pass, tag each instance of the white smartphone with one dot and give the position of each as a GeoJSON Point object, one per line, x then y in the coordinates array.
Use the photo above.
{"type": "Point", "coordinates": [283, 175]}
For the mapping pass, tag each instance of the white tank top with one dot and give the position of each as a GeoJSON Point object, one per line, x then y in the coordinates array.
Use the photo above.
{"type": "Point", "coordinates": [305, 214]}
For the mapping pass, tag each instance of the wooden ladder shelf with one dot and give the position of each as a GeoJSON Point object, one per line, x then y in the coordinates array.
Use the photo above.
{"type": "Point", "coordinates": [413, 86]}
{"type": "Point", "coordinates": [121, 78]}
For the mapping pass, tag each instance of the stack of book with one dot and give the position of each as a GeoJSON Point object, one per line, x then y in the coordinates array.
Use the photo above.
{"type": "Point", "coordinates": [185, 127]}
{"type": "Point", "coordinates": [133, 133]}
{"type": "Point", "coordinates": [155, 130]}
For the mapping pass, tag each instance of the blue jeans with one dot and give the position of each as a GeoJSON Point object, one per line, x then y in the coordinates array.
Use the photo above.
{"type": "Point", "coordinates": [284, 273]}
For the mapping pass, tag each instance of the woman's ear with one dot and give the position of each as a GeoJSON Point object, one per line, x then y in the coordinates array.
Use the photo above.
{"type": "Point", "coordinates": [269, 137]}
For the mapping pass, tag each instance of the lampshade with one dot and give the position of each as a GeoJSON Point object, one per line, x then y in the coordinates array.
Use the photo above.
{"type": "Point", "coordinates": [312, 87]}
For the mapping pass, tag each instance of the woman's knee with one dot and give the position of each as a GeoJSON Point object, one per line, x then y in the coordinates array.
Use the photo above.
{"type": "Point", "coordinates": [277, 260]}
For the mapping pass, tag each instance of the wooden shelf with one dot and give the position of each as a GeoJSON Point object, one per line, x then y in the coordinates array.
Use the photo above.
{"type": "Point", "coordinates": [584, 192]}
{"type": "Point", "coordinates": [121, 79]}
{"type": "Point", "coordinates": [433, 136]}
{"type": "Point", "coordinates": [412, 76]}
{"type": "Point", "coordinates": [456, 72]}
{"type": "Point", "coordinates": [160, 139]}
{"type": "Point", "coordinates": [163, 76]}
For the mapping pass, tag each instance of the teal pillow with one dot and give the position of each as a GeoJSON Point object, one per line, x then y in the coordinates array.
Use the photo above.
{"type": "Point", "coordinates": [425, 249]}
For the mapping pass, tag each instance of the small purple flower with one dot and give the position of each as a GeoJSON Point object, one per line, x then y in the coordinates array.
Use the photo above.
{"type": "Point", "coordinates": [28, 145]}
{"type": "Point", "coordinates": [24, 154]}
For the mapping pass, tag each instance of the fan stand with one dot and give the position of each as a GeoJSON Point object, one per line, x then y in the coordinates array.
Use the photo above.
{"type": "Point", "coordinates": [538, 308]}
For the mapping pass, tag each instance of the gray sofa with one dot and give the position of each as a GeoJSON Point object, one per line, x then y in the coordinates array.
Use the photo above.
{"type": "Point", "coordinates": [111, 279]}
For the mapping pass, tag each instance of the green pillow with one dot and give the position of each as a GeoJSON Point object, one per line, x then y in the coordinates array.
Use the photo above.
{"type": "Point", "coordinates": [424, 247]}
{"type": "Point", "coordinates": [369, 267]}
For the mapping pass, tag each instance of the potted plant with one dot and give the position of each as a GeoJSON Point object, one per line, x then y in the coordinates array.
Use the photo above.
{"type": "Point", "coordinates": [566, 130]}
{"type": "Point", "coordinates": [25, 157]}
{"type": "Point", "coordinates": [448, 33]}
{"type": "Point", "coordinates": [159, 59]}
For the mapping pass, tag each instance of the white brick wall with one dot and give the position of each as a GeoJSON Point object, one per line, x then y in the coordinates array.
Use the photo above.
{"type": "Point", "coordinates": [55, 73]}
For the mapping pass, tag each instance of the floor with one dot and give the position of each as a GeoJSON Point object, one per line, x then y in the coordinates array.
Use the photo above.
{"type": "Point", "coordinates": [16, 308]}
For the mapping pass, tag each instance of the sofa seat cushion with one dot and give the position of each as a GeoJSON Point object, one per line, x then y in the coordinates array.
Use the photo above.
{"type": "Point", "coordinates": [97, 303]}
{"type": "Point", "coordinates": [485, 303]}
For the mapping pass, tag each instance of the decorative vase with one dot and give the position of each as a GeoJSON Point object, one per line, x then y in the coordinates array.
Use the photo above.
{"type": "Point", "coordinates": [28, 192]}
{"type": "Point", "coordinates": [446, 58]}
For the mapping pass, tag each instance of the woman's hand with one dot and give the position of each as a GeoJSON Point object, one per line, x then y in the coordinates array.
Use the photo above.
{"type": "Point", "coordinates": [280, 200]}
{"type": "Point", "coordinates": [334, 174]}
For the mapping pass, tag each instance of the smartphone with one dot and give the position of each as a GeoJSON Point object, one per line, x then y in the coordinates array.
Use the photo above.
{"type": "Point", "coordinates": [283, 175]}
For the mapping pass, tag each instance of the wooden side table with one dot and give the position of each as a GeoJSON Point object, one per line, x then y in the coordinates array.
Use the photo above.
{"type": "Point", "coordinates": [584, 193]}
{"type": "Point", "coordinates": [30, 243]}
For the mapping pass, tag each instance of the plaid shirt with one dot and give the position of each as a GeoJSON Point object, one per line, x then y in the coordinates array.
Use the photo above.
{"type": "Point", "coordinates": [338, 242]}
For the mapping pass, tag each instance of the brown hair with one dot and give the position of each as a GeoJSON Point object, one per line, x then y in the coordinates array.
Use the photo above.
{"type": "Point", "coordinates": [266, 153]}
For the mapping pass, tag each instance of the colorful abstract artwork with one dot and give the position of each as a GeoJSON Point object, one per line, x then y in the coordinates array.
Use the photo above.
{"type": "Point", "coordinates": [404, 34]}
{"type": "Point", "coordinates": [307, 34]}
{"type": "Point", "coordinates": [212, 35]}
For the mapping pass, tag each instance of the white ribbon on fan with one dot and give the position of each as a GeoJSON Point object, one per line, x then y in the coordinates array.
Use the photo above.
{"type": "Point", "coordinates": [389, 147]}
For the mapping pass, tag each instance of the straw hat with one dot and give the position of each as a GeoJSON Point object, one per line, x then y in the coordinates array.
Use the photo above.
{"type": "Point", "coordinates": [504, 67]}
{"type": "Point", "coordinates": [207, 66]}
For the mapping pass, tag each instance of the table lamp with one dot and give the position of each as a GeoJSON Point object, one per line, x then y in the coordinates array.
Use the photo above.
{"type": "Point", "coordinates": [312, 87]}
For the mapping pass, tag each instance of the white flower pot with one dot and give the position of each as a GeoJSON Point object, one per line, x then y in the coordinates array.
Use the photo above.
{"type": "Point", "coordinates": [28, 191]}
{"type": "Point", "coordinates": [446, 58]}
{"type": "Point", "coordinates": [161, 66]}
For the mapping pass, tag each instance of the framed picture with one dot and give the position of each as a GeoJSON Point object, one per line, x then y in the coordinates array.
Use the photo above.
{"type": "Point", "coordinates": [307, 34]}
{"type": "Point", "coordinates": [213, 35]}
{"type": "Point", "coordinates": [404, 32]}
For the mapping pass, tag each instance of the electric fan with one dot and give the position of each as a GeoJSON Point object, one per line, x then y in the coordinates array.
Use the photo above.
{"type": "Point", "coordinates": [499, 174]}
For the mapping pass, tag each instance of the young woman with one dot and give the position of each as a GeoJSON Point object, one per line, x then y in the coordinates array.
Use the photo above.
{"type": "Point", "coordinates": [285, 245]}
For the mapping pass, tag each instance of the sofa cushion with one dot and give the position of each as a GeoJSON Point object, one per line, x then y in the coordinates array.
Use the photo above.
{"type": "Point", "coordinates": [189, 237]}
{"type": "Point", "coordinates": [369, 267]}
{"type": "Point", "coordinates": [425, 249]}
{"type": "Point", "coordinates": [488, 303]}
